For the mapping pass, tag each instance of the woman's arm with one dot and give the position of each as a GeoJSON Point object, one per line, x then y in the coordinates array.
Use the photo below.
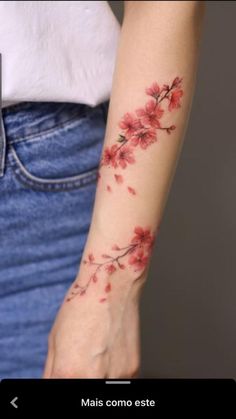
{"type": "Point", "coordinates": [96, 333]}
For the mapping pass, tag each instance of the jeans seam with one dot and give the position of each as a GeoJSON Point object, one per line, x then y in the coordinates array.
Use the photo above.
{"type": "Point", "coordinates": [2, 146]}
{"type": "Point", "coordinates": [67, 183]}
{"type": "Point", "coordinates": [37, 137]}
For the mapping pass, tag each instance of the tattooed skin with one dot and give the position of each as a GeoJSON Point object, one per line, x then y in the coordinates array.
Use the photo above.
{"type": "Point", "coordinates": [134, 255]}
{"type": "Point", "coordinates": [139, 129]}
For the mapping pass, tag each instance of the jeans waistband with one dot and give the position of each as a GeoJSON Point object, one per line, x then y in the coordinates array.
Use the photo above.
{"type": "Point", "coordinates": [27, 119]}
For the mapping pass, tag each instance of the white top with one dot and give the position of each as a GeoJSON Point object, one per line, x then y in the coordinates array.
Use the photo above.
{"type": "Point", "coordinates": [62, 51]}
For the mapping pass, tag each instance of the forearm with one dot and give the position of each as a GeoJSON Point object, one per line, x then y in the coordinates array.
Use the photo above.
{"type": "Point", "coordinates": [159, 44]}
{"type": "Point", "coordinates": [96, 332]}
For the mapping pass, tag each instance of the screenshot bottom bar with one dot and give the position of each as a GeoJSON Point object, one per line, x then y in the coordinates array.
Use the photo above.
{"type": "Point", "coordinates": [20, 397]}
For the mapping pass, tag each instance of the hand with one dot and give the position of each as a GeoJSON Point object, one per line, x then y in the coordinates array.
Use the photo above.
{"type": "Point", "coordinates": [91, 339]}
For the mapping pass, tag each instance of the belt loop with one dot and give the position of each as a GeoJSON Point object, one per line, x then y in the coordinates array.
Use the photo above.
{"type": "Point", "coordinates": [2, 129]}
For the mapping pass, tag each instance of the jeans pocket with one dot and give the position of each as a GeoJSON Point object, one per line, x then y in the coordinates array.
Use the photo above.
{"type": "Point", "coordinates": [64, 158]}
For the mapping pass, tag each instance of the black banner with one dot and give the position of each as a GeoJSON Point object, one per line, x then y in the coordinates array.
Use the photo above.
{"type": "Point", "coordinates": [26, 398]}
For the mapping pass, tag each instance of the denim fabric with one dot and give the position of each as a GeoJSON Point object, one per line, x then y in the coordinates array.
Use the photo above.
{"type": "Point", "coordinates": [47, 190]}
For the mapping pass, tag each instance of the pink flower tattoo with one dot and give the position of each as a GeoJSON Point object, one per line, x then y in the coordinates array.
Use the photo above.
{"type": "Point", "coordinates": [135, 255]}
{"type": "Point", "coordinates": [139, 129]}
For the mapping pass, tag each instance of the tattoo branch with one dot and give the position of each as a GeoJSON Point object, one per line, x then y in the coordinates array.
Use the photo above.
{"type": "Point", "coordinates": [139, 129]}
{"type": "Point", "coordinates": [134, 255]}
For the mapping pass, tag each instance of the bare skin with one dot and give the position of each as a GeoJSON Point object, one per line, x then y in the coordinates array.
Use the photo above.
{"type": "Point", "coordinates": [96, 332]}
{"type": "Point", "coordinates": [106, 342]}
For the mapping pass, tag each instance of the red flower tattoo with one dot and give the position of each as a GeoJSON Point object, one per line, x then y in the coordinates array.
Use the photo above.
{"type": "Point", "coordinates": [154, 90]}
{"type": "Point", "coordinates": [110, 269]}
{"type": "Point", "coordinates": [129, 124]}
{"type": "Point", "coordinates": [139, 260]}
{"type": "Point", "coordinates": [135, 255]}
{"type": "Point", "coordinates": [131, 190]}
{"type": "Point", "coordinates": [144, 137]}
{"type": "Point", "coordinates": [151, 114]}
{"type": "Point", "coordinates": [142, 236]}
{"type": "Point", "coordinates": [109, 158]}
{"type": "Point", "coordinates": [124, 157]}
{"type": "Point", "coordinates": [175, 99]}
{"type": "Point", "coordinates": [118, 178]}
{"type": "Point", "coordinates": [139, 129]}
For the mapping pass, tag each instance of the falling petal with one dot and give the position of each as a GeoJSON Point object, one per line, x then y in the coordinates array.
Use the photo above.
{"type": "Point", "coordinates": [108, 287]}
{"type": "Point", "coordinates": [119, 178]}
{"type": "Point", "coordinates": [109, 188]}
{"type": "Point", "coordinates": [131, 190]}
{"type": "Point", "coordinates": [115, 247]}
{"type": "Point", "coordinates": [102, 300]}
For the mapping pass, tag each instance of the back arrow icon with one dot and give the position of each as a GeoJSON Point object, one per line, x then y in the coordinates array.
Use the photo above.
{"type": "Point", "coordinates": [13, 402]}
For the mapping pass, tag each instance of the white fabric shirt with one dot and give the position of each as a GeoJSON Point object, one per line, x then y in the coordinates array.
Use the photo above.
{"type": "Point", "coordinates": [62, 51]}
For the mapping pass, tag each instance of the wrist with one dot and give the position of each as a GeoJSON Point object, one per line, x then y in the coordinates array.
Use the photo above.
{"type": "Point", "coordinates": [114, 269]}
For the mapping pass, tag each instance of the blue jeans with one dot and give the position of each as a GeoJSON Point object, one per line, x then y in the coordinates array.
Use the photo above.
{"type": "Point", "coordinates": [49, 158]}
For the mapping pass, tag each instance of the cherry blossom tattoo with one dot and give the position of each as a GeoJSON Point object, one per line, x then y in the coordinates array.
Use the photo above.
{"type": "Point", "coordinates": [134, 255]}
{"type": "Point", "coordinates": [139, 129]}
